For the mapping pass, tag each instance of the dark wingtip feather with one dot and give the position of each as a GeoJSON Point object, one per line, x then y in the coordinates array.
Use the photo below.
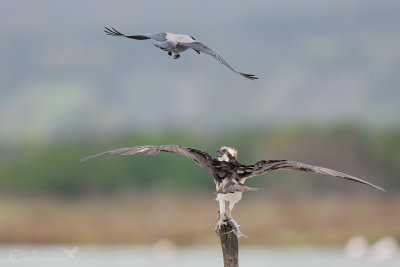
{"type": "Point", "coordinates": [249, 76]}
{"type": "Point", "coordinates": [355, 179]}
{"type": "Point", "coordinates": [138, 37]}
{"type": "Point", "coordinates": [367, 183]}
{"type": "Point", "coordinates": [107, 31]}
{"type": "Point", "coordinates": [116, 32]}
{"type": "Point", "coordinates": [96, 156]}
{"type": "Point", "coordinates": [112, 32]}
{"type": "Point", "coordinates": [377, 187]}
{"type": "Point", "coordinates": [85, 159]}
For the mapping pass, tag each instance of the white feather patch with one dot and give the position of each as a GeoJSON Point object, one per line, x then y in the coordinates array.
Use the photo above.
{"type": "Point", "coordinates": [178, 38]}
{"type": "Point", "coordinates": [231, 197]}
{"type": "Point", "coordinates": [231, 150]}
{"type": "Point", "coordinates": [224, 158]}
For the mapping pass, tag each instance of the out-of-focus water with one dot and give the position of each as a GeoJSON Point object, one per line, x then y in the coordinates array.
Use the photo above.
{"type": "Point", "coordinates": [165, 254]}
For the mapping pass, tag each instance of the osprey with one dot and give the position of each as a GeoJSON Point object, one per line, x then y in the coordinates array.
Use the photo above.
{"type": "Point", "coordinates": [229, 174]}
{"type": "Point", "coordinates": [177, 43]}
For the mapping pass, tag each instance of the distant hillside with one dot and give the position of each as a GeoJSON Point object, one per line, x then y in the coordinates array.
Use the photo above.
{"type": "Point", "coordinates": [317, 62]}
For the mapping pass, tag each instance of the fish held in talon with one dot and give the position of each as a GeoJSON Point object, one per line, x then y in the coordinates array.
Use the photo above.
{"type": "Point", "coordinates": [178, 43]}
{"type": "Point", "coordinates": [235, 228]}
{"type": "Point", "coordinates": [228, 173]}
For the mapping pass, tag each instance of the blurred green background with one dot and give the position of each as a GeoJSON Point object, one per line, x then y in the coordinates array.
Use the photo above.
{"type": "Point", "coordinates": [328, 95]}
{"type": "Point", "coordinates": [53, 167]}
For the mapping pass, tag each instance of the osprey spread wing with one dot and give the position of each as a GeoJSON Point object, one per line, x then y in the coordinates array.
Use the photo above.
{"type": "Point", "coordinates": [229, 175]}
{"type": "Point", "coordinates": [201, 158]}
{"type": "Point", "coordinates": [177, 43]}
{"type": "Point", "coordinates": [226, 166]}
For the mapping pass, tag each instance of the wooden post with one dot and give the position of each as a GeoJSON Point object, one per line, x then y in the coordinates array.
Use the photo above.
{"type": "Point", "coordinates": [230, 246]}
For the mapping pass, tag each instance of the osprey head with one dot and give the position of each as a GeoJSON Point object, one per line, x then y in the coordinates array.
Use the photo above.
{"type": "Point", "coordinates": [226, 153]}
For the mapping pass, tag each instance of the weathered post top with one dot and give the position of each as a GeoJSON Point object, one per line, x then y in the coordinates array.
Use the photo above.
{"type": "Point", "coordinates": [230, 246]}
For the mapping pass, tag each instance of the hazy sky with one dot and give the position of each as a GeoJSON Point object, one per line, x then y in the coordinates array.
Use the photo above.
{"type": "Point", "coordinates": [318, 62]}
